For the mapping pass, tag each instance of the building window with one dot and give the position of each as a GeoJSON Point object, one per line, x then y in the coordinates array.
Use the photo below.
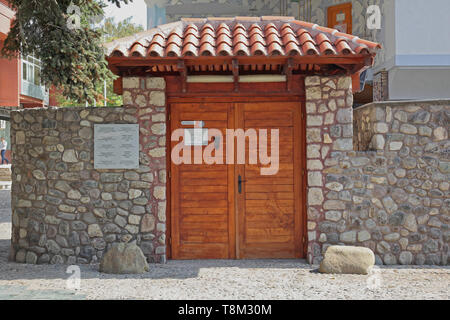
{"type": "Point", "coordinates": [31, 70]}
{"type": "Point", "coordinates": [340, 17]}
{"type": "Point", "coordinates": [2, 124]}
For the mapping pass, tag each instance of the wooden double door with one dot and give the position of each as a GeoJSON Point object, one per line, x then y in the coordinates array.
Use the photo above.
{"type": "Point", "coordinates": [230, 210]}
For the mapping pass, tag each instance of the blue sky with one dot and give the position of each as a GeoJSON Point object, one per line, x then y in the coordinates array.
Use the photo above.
{"type": "Point", "coordinates": [137, 9]}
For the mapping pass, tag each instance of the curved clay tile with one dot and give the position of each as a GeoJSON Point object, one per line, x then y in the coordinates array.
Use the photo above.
{"type": "Point", "coordinates": [223, 49]}
{"type": "Point", "coordinates": [271, 29]}
{"type": "Point", "coordinates": [343, 47]}
{"type": "Point", "coordinates": [325, 29]}
{"type": "Point", "coordinates": [207, 38]}
{"type": "Point", "coordinates": [324, 44]}
{"type": "Point", "coordinates": [223, 31]}
{"type": "Point", "coordinates": [309, 48]}
{"type": "Point", "coordinates": [158, 39]}
{"type": "Point", "coordinates": [206, 49]}
{"type": "Point", "coordinates": [240, 38]}
{"type": "Point", "coordinates": [292, 49]}
{"type": "Point", "coordinates": [175, 38]}
{"type": "Point", "coordinates": [192, 32]}
{"type": "Point", "coordinates": [189, 50]}
{"type": "Point", "coordinates": [190, 38]}
{"type": "Point", "coordinates": [138, 50]}
{"type": "Point", "coordinates": [275, 49]}
{"type": "Point", "coordinates": [270, 25]}
{"type": "Point", "coordinates": [155, 50]}
{"type": "Point", "coordinates": [207, 26]}
{"type": "Point", "coordinates": [306, 37]}
{"type": "Point", "coordinates": [285, 26]}
{"type": "Point", "coordinates": [117, 53]}
{"type": "Point", "coordinates": [241, 50]}
{"type": "Point", "coordinates": [254, 28]}
{"type": "Point", "coordinates": [369, 44]}
{"type": "Point", "coordinates": [304, 24]}
{"type": "Point", "coordinates": [239, 33]}
{"type": "Point", "coordinates": [357, 41]}
{"type": "Point", "coordinates": [300, 32]}
{"type": "Point", "coordinates": [209, 32]}
{"type": "Point", "coordinates": [257, 38]}
{"type": "Point", "coordinates": [321, 37]}
{"type": "Point", "coordinates": [223, 26]}
{"type": "Point", "coordinates": [362, 50]}
{"type": "Point", "coordinates": [286, 31]}
{"type": "Point", "coordinates": [172, 50]}
{"type": "Point", "coordinates": [191, 27]}
{"type": "Point", "coordinates": [257, 49]}
{"type": "Point", "coordinates": [273, 38]}
{"type": "Point", "coordinates": [223, 38]}
{"type": "Point", "coordinates": [288, 38]}
{"type": "Point", "coordinates": [239, 26]}
{"type": "Point", "coordinates": [256, 31]}
{"type": "Point", "coordinates": [326, 48]}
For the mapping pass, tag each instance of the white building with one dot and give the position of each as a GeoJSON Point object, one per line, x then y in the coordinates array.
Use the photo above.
{"type": "Point", "coordinates": [416, 37]}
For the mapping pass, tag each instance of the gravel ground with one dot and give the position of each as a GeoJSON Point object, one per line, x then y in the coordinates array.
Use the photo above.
{"type": "Point", "coordinates": [215, 279]}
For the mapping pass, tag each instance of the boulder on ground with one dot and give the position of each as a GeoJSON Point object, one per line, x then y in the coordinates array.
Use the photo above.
{"type": "Point", "coordinates": [124, 258]}
{"type": "Point", "coordinates": [347, 259]}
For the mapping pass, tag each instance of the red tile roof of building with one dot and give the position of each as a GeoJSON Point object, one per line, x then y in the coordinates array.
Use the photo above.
{"type": "Point", "coordinates": [240, 36]}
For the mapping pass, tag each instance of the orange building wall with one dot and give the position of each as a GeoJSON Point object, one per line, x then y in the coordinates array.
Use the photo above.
{"type": "Point", "coordinates": [9, 82]}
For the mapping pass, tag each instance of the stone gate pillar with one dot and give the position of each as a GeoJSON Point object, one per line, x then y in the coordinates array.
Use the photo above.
{"type": "Point", "coordinates": [145, 97]}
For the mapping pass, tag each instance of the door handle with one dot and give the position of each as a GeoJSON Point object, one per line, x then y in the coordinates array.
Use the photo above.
{"type": "Point", "coordinates": [240, 183]}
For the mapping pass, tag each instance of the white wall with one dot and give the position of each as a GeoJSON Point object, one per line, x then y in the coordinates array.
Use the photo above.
{"type": "Point", "coordinates": [423, 27]}
{"type": "Point", "coordinates": [419, 84]}
{"type": "Point", "coordinates": [417, 54]}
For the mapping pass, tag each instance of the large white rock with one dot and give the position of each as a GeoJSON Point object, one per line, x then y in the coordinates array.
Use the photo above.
{"type": "Point", "coordinates": [347, 259]}
{"type": "Point", "coordinates": [124, 258]}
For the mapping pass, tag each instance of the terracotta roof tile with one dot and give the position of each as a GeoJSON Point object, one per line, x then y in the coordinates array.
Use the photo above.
{"type": "Point", "coordinates": [224, 49]}
{"type": "Point", "coordinates": [268, 35]}
{"type": "Point", "coordinates": [258, 49]}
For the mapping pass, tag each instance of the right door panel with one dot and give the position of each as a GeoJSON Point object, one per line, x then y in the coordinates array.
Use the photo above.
{"type": "Point", "coordinates": [269, 207]}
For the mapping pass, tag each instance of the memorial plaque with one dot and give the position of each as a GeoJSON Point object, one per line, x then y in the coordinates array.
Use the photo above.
{"type": "Point", "coordinates": [116, 146]}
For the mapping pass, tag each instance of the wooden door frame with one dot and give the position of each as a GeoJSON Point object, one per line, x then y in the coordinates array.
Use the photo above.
{"type": "Point", "coordinates": [289, 97]}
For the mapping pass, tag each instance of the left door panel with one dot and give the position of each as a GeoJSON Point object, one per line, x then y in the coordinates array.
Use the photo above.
{"type": "Point", "coordinates": [202, 201]}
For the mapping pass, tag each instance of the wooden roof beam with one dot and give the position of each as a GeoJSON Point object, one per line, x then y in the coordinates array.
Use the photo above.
{"type": "Point", "coordinates": [287, 70]}
{"type": "Point", "coordinates": [235, 69]}
{"type": "Point", "coordinates": [183, 73]}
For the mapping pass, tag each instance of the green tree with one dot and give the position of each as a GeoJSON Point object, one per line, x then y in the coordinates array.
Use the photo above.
{"type": "Point", "coordinates": [124, 28]}
{"type": "Point", "coordinates": [61, 35]}
{"type": "Point", "coordinates": [110, 31]}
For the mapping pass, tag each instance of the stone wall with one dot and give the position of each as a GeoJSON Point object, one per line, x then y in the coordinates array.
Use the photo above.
{"type": "Point", "coordinates": [392, 195]}
{"type": "Point", "coordinates": [384, 186]}
{"type": "Point", "coordinates": [64, 210]}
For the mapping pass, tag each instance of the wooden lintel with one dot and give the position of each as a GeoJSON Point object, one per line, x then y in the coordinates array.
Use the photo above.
{"type": "Point", "coordinates": [183, 73]}
{"type": "Point", "coordinates": [235, 69]}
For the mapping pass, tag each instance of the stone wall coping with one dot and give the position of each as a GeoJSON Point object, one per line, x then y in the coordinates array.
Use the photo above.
{"type": "Point", "coordinates": [405, 102]}
{"type": "Point", "coordinates": [62, 109]}
{"type": "Point", "coordinates": [5, 111]}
